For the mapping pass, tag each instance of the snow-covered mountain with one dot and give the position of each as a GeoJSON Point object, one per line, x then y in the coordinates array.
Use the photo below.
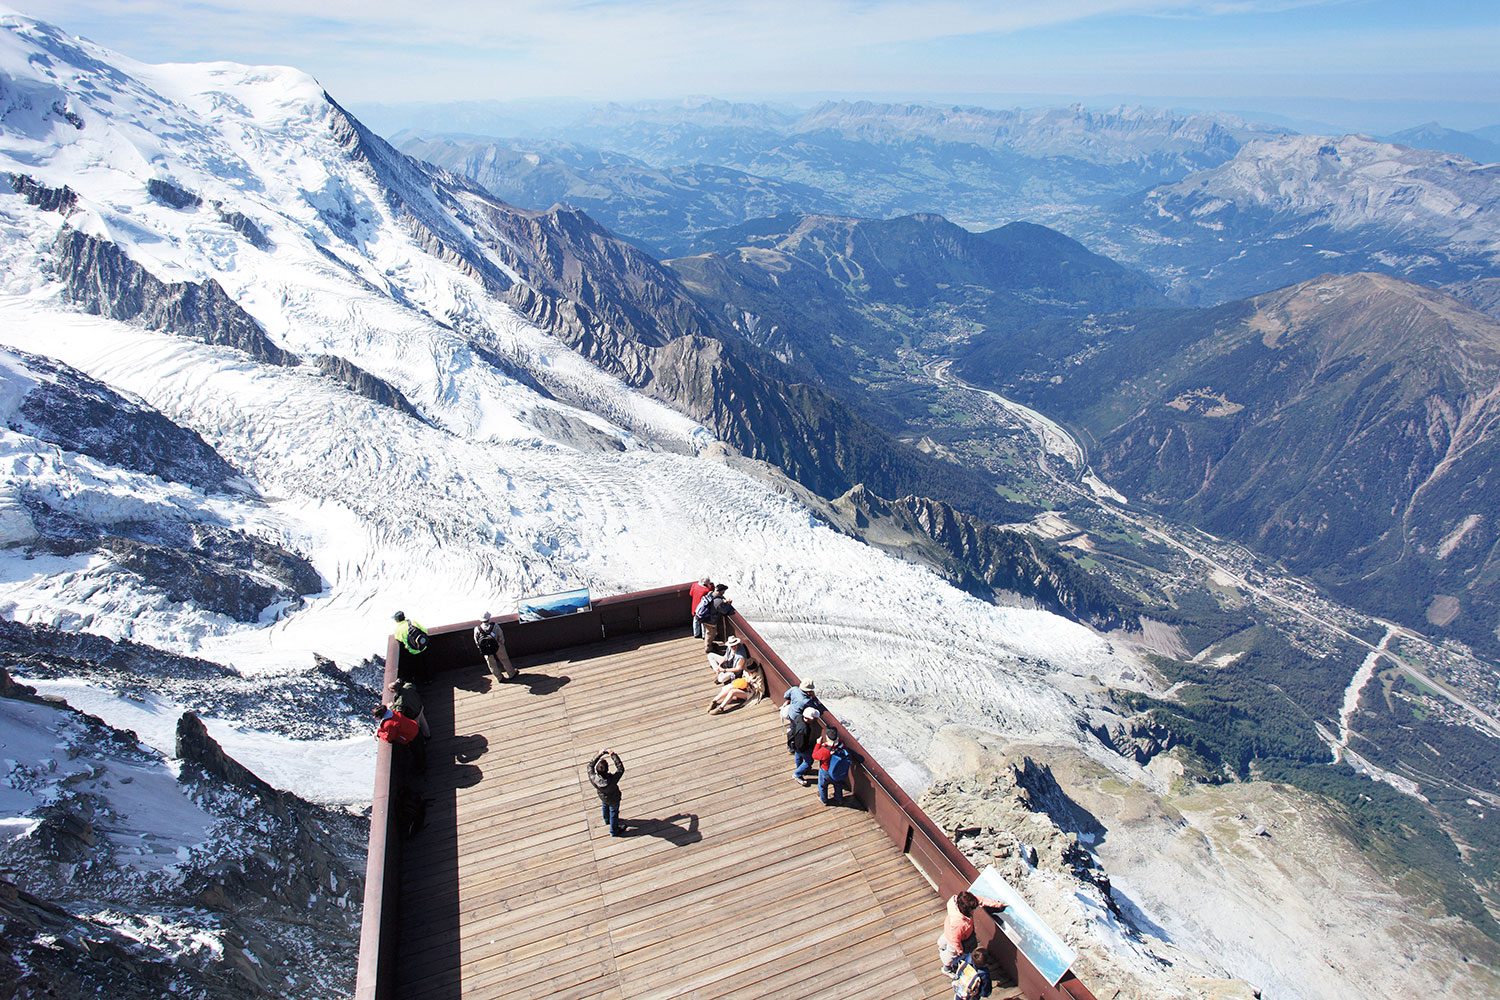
{"type": "Point", "coordinates": [266, 380]}
{"type": "Point", "coordinates": [179, 247]}
{"type": "Point", "coordinates": [1287, 209]}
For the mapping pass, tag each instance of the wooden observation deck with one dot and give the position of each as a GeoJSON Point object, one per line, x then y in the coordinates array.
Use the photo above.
{"type": "Point", "coordinates": [731, 880]}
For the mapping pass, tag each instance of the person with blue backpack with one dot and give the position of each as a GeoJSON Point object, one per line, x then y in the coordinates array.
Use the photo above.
{"type": "Point", "coordinates": [833, 766]}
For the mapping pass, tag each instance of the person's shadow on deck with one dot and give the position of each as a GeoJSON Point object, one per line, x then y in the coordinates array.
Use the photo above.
{"type": "Point", "coordinates": [667, 829]}
{"type": "Point", "coordinates": [468, 749]}
{"type": "Point", "coordinates": [542, 683]}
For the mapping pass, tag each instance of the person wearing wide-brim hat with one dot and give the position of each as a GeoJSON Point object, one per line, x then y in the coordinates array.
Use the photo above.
{"type": "Point", "coordinates": [731, 663]}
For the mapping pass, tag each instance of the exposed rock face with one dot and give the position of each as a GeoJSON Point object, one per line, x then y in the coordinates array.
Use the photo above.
{"type": "Point", "coordinates": [323, 702]}
{"type": "Point", "coordinates": [365, 384]}
{"type": "Point", "coordinates": [62, 199]}
{"type": "Point", "coordinates": [135, 883]}
{"type": "Point", "coordinates": [45, 951]}
{"type": "Point", "coordinates": [245, 226]}
{"type": "Point", "coordinates": [213, 567]}
{"type": "Point", "coordinates": [76, 412]}
{"type": "Point", "coordinates": [102, 280]}
{"type": "Point", "coordinates": [170, 194]}
{"type": "Point", "coordinates": [980, 557]}
{"type": "Point", "coordinates": [1288, 209]}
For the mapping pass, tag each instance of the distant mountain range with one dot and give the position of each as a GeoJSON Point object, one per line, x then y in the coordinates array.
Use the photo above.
{"type": "Point", "coordinates": [977, 166]}
{"type": "Point", "coordinates": [1482, 146]}
{"type": "Point", "coordinates": [1348, 426]}
{"type": "Point", "coordinates": [1284, 210]}
{"type": "Point", "coordinates": [838, 297]}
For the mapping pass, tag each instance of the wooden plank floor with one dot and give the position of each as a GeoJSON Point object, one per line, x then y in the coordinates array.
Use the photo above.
{"type": "Point", "coordinates": [732, 881]}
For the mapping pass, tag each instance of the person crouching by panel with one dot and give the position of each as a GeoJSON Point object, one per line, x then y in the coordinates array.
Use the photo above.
{"type": "Point", "coordinates": [402, 731]}
{"type": "Point", "coordinates": [491, 642]}
{"type": "Point", "coordinates": [606, 782]}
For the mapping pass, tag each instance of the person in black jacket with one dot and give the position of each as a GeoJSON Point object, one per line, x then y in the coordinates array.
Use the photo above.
{"type": "Point", "coordinates": [606, 782]}
{"type": "Point", "coordinates": [801, 736]}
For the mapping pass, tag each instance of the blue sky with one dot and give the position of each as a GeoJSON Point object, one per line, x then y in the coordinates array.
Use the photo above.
{"type": "Point", "coordinates": [1298, 56]}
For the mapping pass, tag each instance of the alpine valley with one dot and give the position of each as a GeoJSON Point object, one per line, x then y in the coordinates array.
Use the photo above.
{"type": "Point", "coordinates": [1156, 559]}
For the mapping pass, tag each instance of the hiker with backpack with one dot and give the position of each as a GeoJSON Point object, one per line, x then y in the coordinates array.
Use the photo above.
{"type": "Point", "coordinates": [491, 642]}
{"type": "Point", "coordinates": [972, 980]}
{"type": "Point", "coordinates": [606, 782]}
{"type": "Point", "coordinates": [833, 760]}
{"type": "Point", "coordinates": [696, 593]}
{"type": "Point", "coordinates": [713, 612]}
{"type": "Point", "coordinates": [801, 738]}
{"type": "Point", "coordinates": [407, 632]}
{"type": "Point", "coordinates": [406, 701]}
{"type": "Point", "coordinates": [957, 936]}
{"type": "Point", "coordinates": [402, 731]}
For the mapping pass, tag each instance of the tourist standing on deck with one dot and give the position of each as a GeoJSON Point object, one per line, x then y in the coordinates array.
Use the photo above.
{"type": "Point", "coordinates": [409, 633]}
{"type": "Point", "coordinates": [696, 593]}
{"type": "Point", "coordinates": [605, 772]}
{"type": "Point", "coordinates": [801, 738]}
{"type": "Point", "coordinates": [714, 611]}
{"type": "Point", "coordinates": [833, 765]}
{"type": "Point", "coordinates": [406, 700]}
{"type": "Point", "coordinates": [957, 937]}
{"type": "Point", "coordinates": [491, 642]}
{"type": "Point", "coordinates": [794, 700]}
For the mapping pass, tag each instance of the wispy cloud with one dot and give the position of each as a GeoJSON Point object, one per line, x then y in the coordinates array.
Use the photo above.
{"type": "Point", "coordinates": [390, 50]}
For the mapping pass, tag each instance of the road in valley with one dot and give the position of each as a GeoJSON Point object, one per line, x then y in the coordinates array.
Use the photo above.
{"type": "Point", "coordinates": [1055, 439]}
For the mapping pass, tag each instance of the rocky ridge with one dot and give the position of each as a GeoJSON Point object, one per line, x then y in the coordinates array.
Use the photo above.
{"type": "Point", "coordinates": [253, 891]}
{"type": "Point", "coordinates": [980, 557]}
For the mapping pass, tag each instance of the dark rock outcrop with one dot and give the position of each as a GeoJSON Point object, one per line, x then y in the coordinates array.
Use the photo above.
{"type": "Point", "coordinates": [243, 225]}
{"type": "Point", "coordinates": [63, 199]}
{"type": "Point", "coordinates": [325, 703]}
{"type": "Point", "coordinates": [104, 281]}
{"type": "Point", "coordinates": [76, 412]}
{"type": "Point", "coordinates": [170, 194]}
{"type": "Point", "coordinates": [196, 748]}
{"type": "Point", "coordinates": [367, 385]}
{"type": "Point", "coordinates": [981, 557]}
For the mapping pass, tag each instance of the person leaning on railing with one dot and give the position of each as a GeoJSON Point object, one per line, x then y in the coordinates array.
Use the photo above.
{"type": "Point", "coordinates": [957, 938]}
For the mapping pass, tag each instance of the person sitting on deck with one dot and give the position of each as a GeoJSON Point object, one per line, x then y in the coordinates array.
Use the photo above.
{"type": "Point", "coordinates": [731, 663]}
{"type": "Point", "coordinates": [696, 593]}
{"type": "Point", "coordinates": [743, 690]}
{"type": "Point", "coordinates": [957, 936]}
{"type": "Point", "coordinates": [406, 701]}
{"type": "Point", "coordinates": [972, 980]}
{"type": "Point", "coordinates": [607, 783]}
{"type": "Point", "coordinates": [402, 731]}
{"type": "Point", "coordinates": [801, 737]}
